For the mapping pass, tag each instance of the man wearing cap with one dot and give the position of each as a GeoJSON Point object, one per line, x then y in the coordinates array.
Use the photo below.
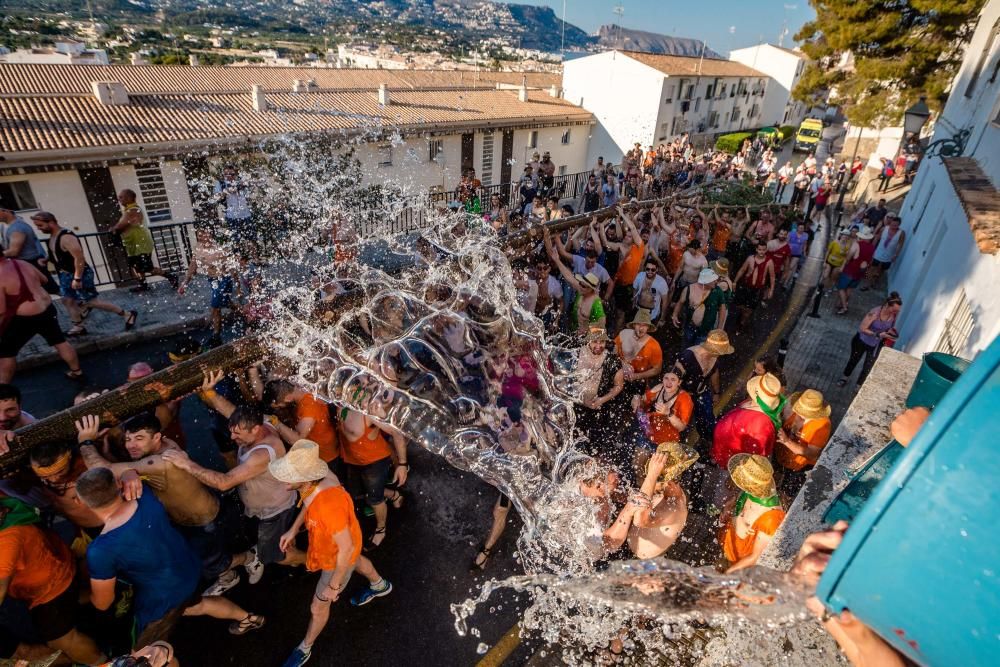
{"type": "Point", "coordinates": [755, 515]}
{"type": "Point", "coordinates": [334, 538]}
{"type": "Point", "coordinates": [76, 277]}
{"type": "Point", "coordinates": [655, 515]}
{"type": "Point", "coordinates": [640, 353]}
{"type": "Point", "coordinates": [753, 425]}
{"type": "Point", "coordinates": [704, 306]}
{"type": "Point", "coordinates": [803, 435]}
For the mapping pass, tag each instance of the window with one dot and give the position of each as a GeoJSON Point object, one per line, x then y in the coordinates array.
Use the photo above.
{"type": "Point", "coordinates": [664, 131]}
{"type": "Point", "coordinates": [671, 91]}
{"type": "Point", "coordinates": [562, 169]}
{"type": "Point", "coordinates": [384, 155]}
{"type": "Point", "coordinates": [983, 57]}
{"type": "Point", "coordinates": [697, 104]}
{"type": "Point", "coordinates": [722, 91]}
{"type": "Point", "coordinates": [153, 191]}
{"type": "Point", "coordinates": [565, 137]}
{"type": "Point", "coordinates": [957, 327]}
{"type": "Point", "coordinates": [17, 196]}
{"type": "Point", "coordinates": [713, 119]}
{"type": "Point", "coordinates": [434, 148]}
{"type": "Point", "coordinates": [533, 139]}
{"type": "Point", "coordinates": [736, 115]}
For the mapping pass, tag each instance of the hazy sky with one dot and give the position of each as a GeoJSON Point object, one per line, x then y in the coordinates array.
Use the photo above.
{"type": "Point", "coordinates": [724, 24]}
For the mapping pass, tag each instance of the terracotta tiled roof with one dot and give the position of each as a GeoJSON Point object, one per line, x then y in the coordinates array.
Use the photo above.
{"type": "Point", "coordinates": [980, 200]}
{"type": "Point", "coordinates": [61, 113]}
{"type": "Point", "coordinates": [69, 79]}
{"type": "Point", "coordinates": [686, 65]}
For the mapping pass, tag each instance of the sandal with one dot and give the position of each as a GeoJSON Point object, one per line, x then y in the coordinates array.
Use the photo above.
{"type": "Point", "coordinates": [251, 622]}
{"type": "Point", "coordinates": [397, 500]}
{"type": "Point", "coordinates": [77, 330]}
{"type": "Point", "coordinates": [85, 313]}
{"type": "Point", "coordinates": [75, 375]}
{"type": "Point", "coordinates": [370, 544]}
{"type": "Point", "coordinates": [480, 566]}
{"type": "Point", "coordinates": [841, 311]}
{"type": "Point", "coordinates": [133, 315]}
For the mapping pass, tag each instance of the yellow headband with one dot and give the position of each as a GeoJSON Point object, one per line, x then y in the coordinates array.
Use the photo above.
{"type": "Point", "coordinates": [56, 467]}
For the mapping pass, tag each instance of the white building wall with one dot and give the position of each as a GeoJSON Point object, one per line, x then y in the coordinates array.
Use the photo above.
{"type": "Point", "coordinates": [624, 95]}
{"type": "Point", "coordinates": [181, 209]}
{"type": "Point", "coordinates": [60, 193]}
{"type": "Point", "coordinates": [941, 258]}
{"type": "Point", "coordinates": [784, 69]}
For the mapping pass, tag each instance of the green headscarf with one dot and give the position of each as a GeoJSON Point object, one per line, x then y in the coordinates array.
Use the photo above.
{"type": "Point", "coordinates": [14, 512]}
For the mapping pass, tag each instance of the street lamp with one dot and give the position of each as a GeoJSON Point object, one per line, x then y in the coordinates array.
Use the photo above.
{"type": "Point", "coordinates": [915, 117]}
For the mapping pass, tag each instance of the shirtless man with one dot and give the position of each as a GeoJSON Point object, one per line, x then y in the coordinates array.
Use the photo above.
{"type": "Point", "coordinates": [192, 508]}
{"type": "Point", "coordinates": [210, 259]}
{"type": "Point", "coordinates": [654, 517]}
{"type": "Point", "coordinates": [26, 310]}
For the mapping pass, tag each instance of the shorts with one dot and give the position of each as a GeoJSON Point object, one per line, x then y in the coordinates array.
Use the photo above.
{"type": "Point", "coordinates": [326, 576]}
{"type": "Point", "coordinates": [374, 478]}
{"type": "Point", "coordinates": [269, 532]}
{"type": "Point", "coordinates": [879, 264]}
{"type": "Point", "coordinates": [222, 292]}
{"type": "Point", "coordinates": [208, 543]}
{"type": "Point", "coordinates": [820, 207]}
{"type": "Point", "coordinates": [141, 263]}
{"type": "Point", "coordinates": [57, 617]}
{"type": "Point", "coordinates": [748, 297]}
{"type": "Point", "coordinates": [622, 297]}
{"type": "Point", "coordinates": [87, 291]}
{"type": "Point", "coordinates": [23, 328]}
{"type": "Point", "coordinates": [845, 282]}
{"type": "Point", "coordinates": [160, 629]}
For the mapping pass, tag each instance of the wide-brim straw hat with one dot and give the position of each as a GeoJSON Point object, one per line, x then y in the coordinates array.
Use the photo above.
{"type": "Point", "coordinates": [300, 465]}
{"type": "Point", "coordinates": [753, 473]}
{"type": "Point", "coordinates": [810, 404]}
{"type": "Point", "coordinates": [718, 343]}
{"type": "Point", "coordinates": [866, 233]}
{"type": "Point", "coordinates": [597, 333]}
{"type": "Point", "coordinates": [767, 388]}
{"type": "Point", "coordinates": [721, 266]}
{"type": "Point", "coordinates": [680, 458]}
{"type": "Point", "coordinates": [590, 280]}
{"type": "Point", "coordinates": [643, 316]}
{"type": "Point", "coordinates": [707, 276]}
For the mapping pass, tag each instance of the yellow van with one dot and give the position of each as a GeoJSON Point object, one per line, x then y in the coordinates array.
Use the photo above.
{"type": "Point", "coordinates": [809, 134]}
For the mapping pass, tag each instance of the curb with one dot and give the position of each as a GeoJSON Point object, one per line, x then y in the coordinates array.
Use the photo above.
{"type": "Point", "coordinates": [112, 341]}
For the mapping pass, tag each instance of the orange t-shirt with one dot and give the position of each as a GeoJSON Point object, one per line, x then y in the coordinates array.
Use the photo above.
{"type": "Point", "coordinates": [815, 433]}
{"type": "Point", "coordinates": [675, 256]}
{"type": "Point", "coordinates": [330, 512]}
{"type": "Point", "coordinates": [720, 237]}
{"type": "Point", "coordinates": [367, 449]}
{"type": "Point", "coordinates": [322, 433]}
{"type": "Point", "coordinates": [628, 269]}
{"type": "Point", "coordinates": [38, 563]}
{"type": "Point", "coordinates": [660, 428]}
{"type": "Point", "coordinates": [648, 357]}
{"type": "Point", "coordinates": [735, 547]}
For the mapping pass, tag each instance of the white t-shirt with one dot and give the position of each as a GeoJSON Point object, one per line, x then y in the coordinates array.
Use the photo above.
{"type": "Point", "coordinates": [528, 297]}
{"type": "Point", "coordinates": [659, 288]}
{"type": "Point", "coordinates": [580, 267]}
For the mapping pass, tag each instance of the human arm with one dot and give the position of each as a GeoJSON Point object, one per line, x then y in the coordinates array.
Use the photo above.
{"type": "Point", "coordinates": [129, 217]}
{"type": "Point", "coordinates": [402, 468]}
{"type": "Point", "coordinates": [743, 270]}
{"type": "Point", "coordinates": [769, 271]}
{"type": "Point", "coordinates": [907, 424]}
{"type": "Point", "coordinates": [561, 248]}
{"type": "Point", "coordinates": [759, 544]}
{"type": "Point", "coordinates": [208, 394]}
{"type": "Point", "coordinates": [630, 226]}
{"type": "Point", "coordinates": [192, 271]}
{"type": "Point", "coordinates": [554, 256]}
{"type": "Point", "coordinates": [88, 430]}
{"type": "Point", "coordinates": [287, 539]}
{"type": "Point", "coordinates": [255, 464]}
{"type": "Point", "coordinates": [102, 592]}
{"type": "Point", "coordinates": [15, 243]}
{"type": "Point", "coordinates": [71, 244]}
{"type": "Point", "coordinates": [899, 247]}
{"type": "Point", "coordinates": [866, 323]}
{"type": "Point", "coordinates": [345, 547]}
{"type": "Point", "coordinates": [595, 237]}
{"type": "Point", "coordinates": [681, 300]}
{"type": "Point", "coordinates": [618, 385]}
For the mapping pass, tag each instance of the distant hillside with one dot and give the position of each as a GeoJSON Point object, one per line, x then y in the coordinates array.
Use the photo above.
{"type": "Point", "coordinates": [613, 37]}
{"type": "Point", "coordinates": [543, 29]}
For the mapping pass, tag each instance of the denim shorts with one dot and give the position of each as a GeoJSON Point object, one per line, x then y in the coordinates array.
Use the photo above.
{"type": "Point", "coordinates": [374, 478]}
{"type": "Point", "coordinates": [87, 291]}
{"type": "Point", "coordinates": [222, 292]}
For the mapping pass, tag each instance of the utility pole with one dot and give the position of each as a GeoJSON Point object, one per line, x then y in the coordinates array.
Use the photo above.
{"type": "Point", "coordinates": [619, 11]}
{"type": "Point", "coordinates": [562, 46]}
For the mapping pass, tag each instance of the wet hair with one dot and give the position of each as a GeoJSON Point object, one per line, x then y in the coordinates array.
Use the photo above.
{"type": "Point", "coordinates": [46, 453]}
{"type": "Point", "coordinates": [590, 254]}
{"type": "Point", "coordinates": [146, 421]}
{"type": "Point", "coordinates": [693, 244]}
{"type": "Point", "coordinates": [275, 391]}
{"type": "Point", "coordinates": [87, 393]}
{"type": "Point", "coordinates": [97, 488]}
{"type": "Point", "coordinates": [186, 346]}
{"type": "Point", "coordinates": [894, 299]}
{"type": "Point", "coordinates": [770, 364]}
{"type": "Point", "coordinates": [9, 392]}
{"type": "Point", "coordinates": [246, 417]}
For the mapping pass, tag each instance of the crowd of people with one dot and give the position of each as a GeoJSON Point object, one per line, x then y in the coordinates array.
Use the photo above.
{"type": "Point", "coordinates": [653, 297]}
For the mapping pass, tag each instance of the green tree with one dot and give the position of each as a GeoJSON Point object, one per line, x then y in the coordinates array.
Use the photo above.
{"type": "Point", "coordinates": [901, 49]}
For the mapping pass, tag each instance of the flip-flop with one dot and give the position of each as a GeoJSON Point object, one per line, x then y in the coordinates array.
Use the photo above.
{"type": "Point", "coordinates": [133, 315]}
{"type": "Point", "coordinates": [78, 376]}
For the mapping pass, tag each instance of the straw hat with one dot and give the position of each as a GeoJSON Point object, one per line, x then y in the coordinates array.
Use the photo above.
{"type": "Point", "coordinates": [707, 276]}
{"type": "Point", "coordinates": [866, 233]}
{"type": "Point", "coordinates": [721, 266]}
{"type": "Point", "coordinates": [680, 457]}
{"type": "Point", "coordinates": [642, 316]}
{"type": "Point", "coordinates": [809, 404]}
{"type": "Point", "coordinates": [597, 333]}
{"type": "Point", "coordinates": [767, 388]}
{"type": "Point", "coordinates": [718, 343]}
{"type": "Point", "coordinates": [753, 473]}
{"type": "Point", "coordinates": [590, 280]}
{"type": "Point", "coordinates": [301, 464]}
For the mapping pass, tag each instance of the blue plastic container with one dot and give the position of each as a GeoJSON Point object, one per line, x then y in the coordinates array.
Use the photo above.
{"type": "Point", "coordinates": [921, 562]}
{"type": "Point", "coordinates": [938, 371]}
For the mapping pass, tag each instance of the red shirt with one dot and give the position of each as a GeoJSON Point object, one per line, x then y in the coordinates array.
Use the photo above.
{"type": "Point", "coordinates": [778, 257]}
{"type": "Point", "coordinates": [742, 431]}
{"type": "Point", "coordinates": [853, 269]}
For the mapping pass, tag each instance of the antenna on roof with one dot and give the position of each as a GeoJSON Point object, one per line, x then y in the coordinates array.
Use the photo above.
{"type": "Point", "coordinates": [784, 33]}
{"type": "Point", "coordinates": [619, 11]}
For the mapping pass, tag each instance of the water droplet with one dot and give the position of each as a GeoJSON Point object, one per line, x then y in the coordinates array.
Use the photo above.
{"type": "Point", "coordinates": [482, 648]}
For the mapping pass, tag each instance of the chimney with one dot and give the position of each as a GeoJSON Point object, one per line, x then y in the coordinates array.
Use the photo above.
{"type": "Point", "coordinates": [299, 86]}
{"type": "Point", "coordinates": [135, 58]}
{"type": "Point", "coordinates": [193, 60]}
{"type": "Point", "coordinates": [522, 92]}
{"type": "Point", "coordinates": [555, 91]}
{"type": "Point", "coordinates": [383, 94]}
{"type": "Point", "coordinates": [110, 93]}
{"type": "Point", "coordinates": [259, 101]}
{"type": "Point", "coordinates": [312, 85]}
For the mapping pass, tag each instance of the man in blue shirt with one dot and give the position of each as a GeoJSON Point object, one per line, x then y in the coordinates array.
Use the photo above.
{"type": "Point", "coordinates": [139, 545]}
